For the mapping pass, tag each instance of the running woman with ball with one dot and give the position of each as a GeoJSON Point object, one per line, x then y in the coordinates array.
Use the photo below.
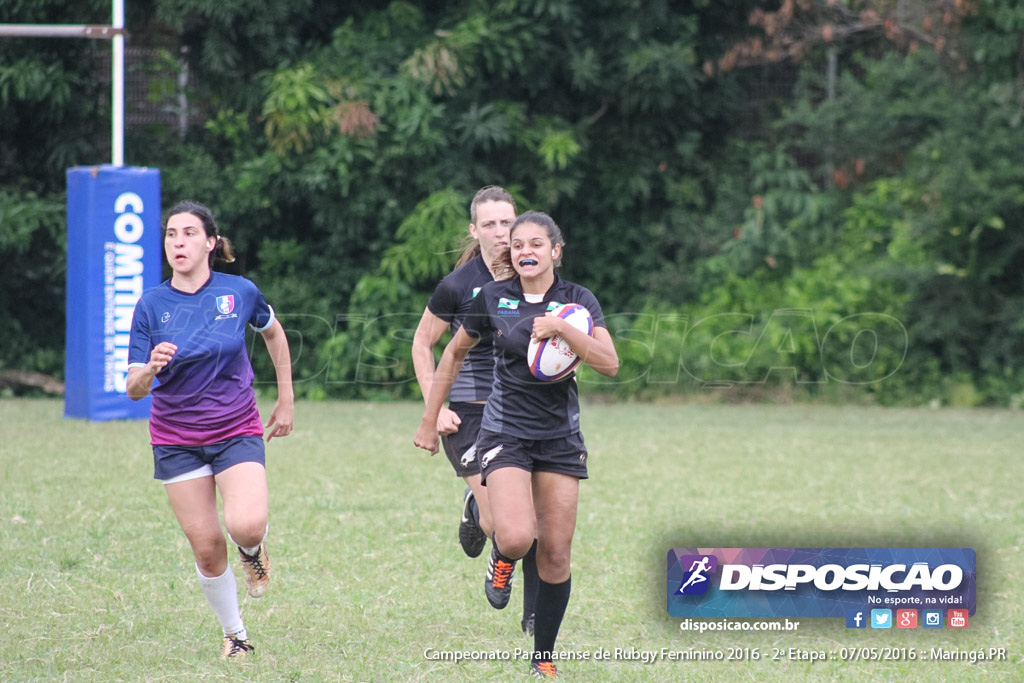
{"type": "Point", "coordinates": [532, 453]}
{"type": "Point", "coordinates": [188, 350]}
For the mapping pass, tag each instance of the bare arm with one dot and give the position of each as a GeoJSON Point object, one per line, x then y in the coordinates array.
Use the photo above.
{"type": "Point", "coordinates": [451, 360]}
{"type": "Point", "coordinates": [282, 418]}
{"type": "Point", "coordinates": [428, 332]}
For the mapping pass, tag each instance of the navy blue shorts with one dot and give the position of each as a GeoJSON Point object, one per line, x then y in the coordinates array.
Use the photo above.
{"type": "Point", "coordinates": [188, 462]}
{"type": "Point", "coordinates": [460, 447]}
{"type": "Point", "coordinates": [565, 456]}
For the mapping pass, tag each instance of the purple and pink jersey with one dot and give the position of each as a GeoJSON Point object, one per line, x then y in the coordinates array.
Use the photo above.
{"type": "Point", "coordinates": [205, 393]}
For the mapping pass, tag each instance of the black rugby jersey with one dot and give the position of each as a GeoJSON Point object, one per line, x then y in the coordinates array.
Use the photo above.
{"type": "Point", "coordinates": [520, 404]}
{"type": "Point", "coordinates": [450, 302]}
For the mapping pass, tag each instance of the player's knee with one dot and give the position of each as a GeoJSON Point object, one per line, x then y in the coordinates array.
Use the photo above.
{"type": "Point", "coordinates": [211, 558]}
{"type": "Point", "coordinates": [514, 543]}
{"type": "Point", "coordinates": [554, 559]}
{"type": "Point", "coordinates": [211, 568]}
{"type": "Point", "coordinates": [247, 532]}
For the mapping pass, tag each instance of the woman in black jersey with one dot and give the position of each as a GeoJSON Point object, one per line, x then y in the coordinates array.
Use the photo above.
{"type": "Point", "coordinates": [492, 212]}
{"type": "Point", "coordinates": [532, 454]}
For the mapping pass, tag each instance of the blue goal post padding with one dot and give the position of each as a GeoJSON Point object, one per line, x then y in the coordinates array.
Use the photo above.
{"type": "Point", "coordinates": [114, 254]}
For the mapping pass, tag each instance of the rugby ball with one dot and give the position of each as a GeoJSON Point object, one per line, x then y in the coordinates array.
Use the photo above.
{"type": "Point", "coordinates": [553, 359]}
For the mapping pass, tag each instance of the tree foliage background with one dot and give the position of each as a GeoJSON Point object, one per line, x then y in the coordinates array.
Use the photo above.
{"type": "Point", "coordinates": [816, 195]}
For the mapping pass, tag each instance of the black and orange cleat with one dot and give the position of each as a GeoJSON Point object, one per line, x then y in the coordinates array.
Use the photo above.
{"type": "Point", "coordinates": [498, 584]}
{"type": "Point", "coordinates": [545, 670]}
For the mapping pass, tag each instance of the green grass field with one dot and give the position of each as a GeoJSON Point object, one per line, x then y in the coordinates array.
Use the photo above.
{"type": "Point", "coordinates": [97, 582]}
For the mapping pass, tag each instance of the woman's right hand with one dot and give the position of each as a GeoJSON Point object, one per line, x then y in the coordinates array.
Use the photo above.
{"type": "Point", "coordinates": [448, 421]}
{"type": "Point", "coordinates": [140, 378]}
{"type": "Point", "coordinates": [426, 437]}
{"type": "Point", "coordinates": [161, 355]}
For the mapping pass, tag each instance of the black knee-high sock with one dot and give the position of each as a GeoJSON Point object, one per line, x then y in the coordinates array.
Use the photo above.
{"type": "Point", "coordinates": [530, 579]}
{"type": "Point", "coordinates": [474, 510]}
{"type": "Point", "coordinates": [552, 599]}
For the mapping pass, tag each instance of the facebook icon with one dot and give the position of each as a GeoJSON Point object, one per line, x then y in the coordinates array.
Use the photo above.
{"type": "Point", "coordinates": [856, 618]}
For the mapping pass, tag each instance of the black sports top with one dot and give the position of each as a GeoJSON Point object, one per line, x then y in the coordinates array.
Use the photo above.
{"type": "Point", "coordinates": [450, 302]}
{"type": "Point", "coordinates": [520, 404]}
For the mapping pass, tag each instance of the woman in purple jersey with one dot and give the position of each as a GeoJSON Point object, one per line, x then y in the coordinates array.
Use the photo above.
{"type": "Point", "coordinates": [188, 349]}
{"type": "Point", "coordinates": [532, 454]}
{"type": "Point", "coordinates": [492, 212]}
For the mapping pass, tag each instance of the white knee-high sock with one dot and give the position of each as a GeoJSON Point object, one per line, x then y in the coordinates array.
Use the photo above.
{"type": "Point", "coordinates": [222, 594]}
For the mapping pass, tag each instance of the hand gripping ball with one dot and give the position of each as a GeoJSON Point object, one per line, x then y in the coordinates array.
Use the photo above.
{"type": "Point", "coordinates": [552, 359]}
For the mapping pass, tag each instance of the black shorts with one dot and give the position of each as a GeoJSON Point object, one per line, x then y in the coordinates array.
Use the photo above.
{"type": "Point", "coordinates": [566, 455]}
{"type": "Point", "coordinates": [460, 447]}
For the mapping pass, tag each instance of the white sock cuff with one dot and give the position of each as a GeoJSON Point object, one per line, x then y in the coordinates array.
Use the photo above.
{"type": "Point", "coordinates": [252, 551]}
{"type": "Point", "coordinates": [215, 580]}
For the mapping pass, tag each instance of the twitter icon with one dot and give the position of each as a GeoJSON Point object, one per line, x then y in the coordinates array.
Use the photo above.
{"type": "Point", "coordinates": [881, 618]}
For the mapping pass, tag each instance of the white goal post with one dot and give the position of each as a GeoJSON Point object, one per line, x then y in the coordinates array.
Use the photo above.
{"type": "Point", "coordinates": [114, 33]}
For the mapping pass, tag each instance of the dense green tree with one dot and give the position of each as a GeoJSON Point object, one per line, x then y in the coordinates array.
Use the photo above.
{"type": "Point", "coordinates": [703, 158]}
{"type": "Point", "coordinates": [599, 115]}
{"type": "Point", "coordinates": [913, 154]}
{"type": "Point", "coordinates": [51, 107]}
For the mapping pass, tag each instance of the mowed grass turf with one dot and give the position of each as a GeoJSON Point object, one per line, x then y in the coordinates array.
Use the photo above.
{"type": "Point", "coordinates": [97, 582]}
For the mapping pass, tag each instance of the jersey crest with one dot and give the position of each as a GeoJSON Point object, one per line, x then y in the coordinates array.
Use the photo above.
{"type": "Point", "coordinates": [225, 304]}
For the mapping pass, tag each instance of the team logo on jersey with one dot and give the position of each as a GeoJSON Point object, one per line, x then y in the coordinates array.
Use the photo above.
{"type": "Point", "coordinates": [165, 317]}
{"type": "Point", "coordinates": [553, 305]}
{"type": "Point", "coordinates": [225, 304]}
{"type": "Point", "coordinates": [508, 306]}
{"type": "Point", "coordinates": [476, 290]}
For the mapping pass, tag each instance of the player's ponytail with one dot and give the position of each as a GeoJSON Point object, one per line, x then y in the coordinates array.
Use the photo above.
{"type": "Point", "coordinates": [502, 265]}
{"type": "Point", "coordinates": [224, 251]}
{"type": "Point", "coordinates": [470, 250]}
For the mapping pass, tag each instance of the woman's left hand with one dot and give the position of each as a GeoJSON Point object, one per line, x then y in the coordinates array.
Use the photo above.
{"type": "Point", "coordinates": [281, 422]}
{"type": "Point", "coordinates": [546, 326]}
